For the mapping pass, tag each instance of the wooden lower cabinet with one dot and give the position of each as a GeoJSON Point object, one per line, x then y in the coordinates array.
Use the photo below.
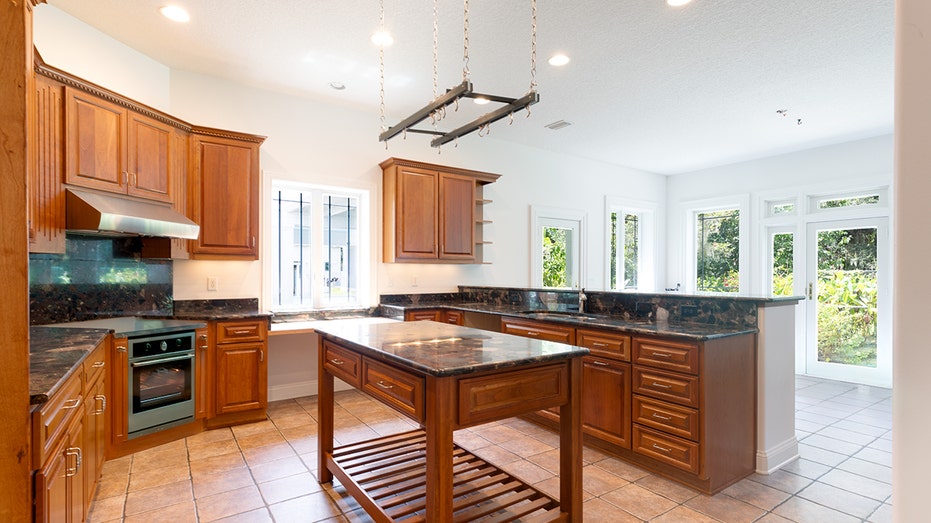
{"type": "Point", "coordinates": [69, 443]}
{"type": "Point", "coordinates": [240, 372]}
{"type": "Point", "coordinates": [440, 315]}
{"type": "Point", "coordinates": [606, 400]}
{"type": "Point", "coordinates": [683, 409]}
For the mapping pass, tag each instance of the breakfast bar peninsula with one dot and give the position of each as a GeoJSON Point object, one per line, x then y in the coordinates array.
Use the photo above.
{"type": "Point", "coordinates": [446, 378]}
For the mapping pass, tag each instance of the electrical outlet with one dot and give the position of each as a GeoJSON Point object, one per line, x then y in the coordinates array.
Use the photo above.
{"type": "Point", "coordinates": [414, 281]}
{"type": "Point", "coordinates": [212, 283]}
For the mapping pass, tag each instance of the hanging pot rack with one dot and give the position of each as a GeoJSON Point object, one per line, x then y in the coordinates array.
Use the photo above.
{"type": "Point", "coordinates": [436, 109]}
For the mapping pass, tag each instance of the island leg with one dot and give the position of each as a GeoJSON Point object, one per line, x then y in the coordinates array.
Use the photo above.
{"type": "Point", "coordinates": [324, 417]}
{"type": "Point", "coordinates": [570, 446]}
{"type": "Point", "coordinates": [440, 410]}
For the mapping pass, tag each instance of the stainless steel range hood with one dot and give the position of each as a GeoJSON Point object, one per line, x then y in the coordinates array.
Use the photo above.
{"type": "Point", "coordinates": [95, 213]}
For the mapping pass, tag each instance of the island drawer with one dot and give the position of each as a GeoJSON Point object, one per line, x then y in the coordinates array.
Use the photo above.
{"type": "Point", "coordinates": [508, 394]}
{"type": "Point", "coordinates": [680, 421]}
{"type": "Point", "coordinates": [400, 389]}
{"type": "Point", "coordinates": [537, 330]}
{"type": "Point", "coordinates": [666, 354]}
{"type": "Point", "coordinates": [668, 386]}
{"type": "Point", "coordinates": [674, 451]}
{"type": "Point", "coordinates": [240, 331]}
{"type": "Point", "coordinates": [607, 344]}
{"type": "Point", "coordinates": [345, 365]}
{"type": "Point", "coordinates": [50, 422]}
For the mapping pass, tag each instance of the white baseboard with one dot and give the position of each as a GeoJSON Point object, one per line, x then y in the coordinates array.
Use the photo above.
{"type": "Point", "coordinates": [298, 389]}
{"type": "Point", "coordinates": [770, 460]}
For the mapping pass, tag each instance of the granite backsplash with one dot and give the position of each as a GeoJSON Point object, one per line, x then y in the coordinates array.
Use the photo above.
{"type": "Point", "coordinates": [97, 278]}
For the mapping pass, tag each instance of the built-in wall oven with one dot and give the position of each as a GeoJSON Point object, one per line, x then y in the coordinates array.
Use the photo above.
{"type": "Point", "coordinates": [161, 381]}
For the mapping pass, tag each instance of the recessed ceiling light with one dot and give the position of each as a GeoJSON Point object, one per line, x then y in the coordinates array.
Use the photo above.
{"type": "Point", "coordinates": [677, 3]}
{"type": "Point", "coordinates": [339, 86]}
{"type": "Point", "coordinates": [558, 60]}
{"type": "Point", "coordinates": [175, 13]}
{"type": "Point", "coordinates": [382, 38]}
{"type": "Point", "coordinates": [480, 101]}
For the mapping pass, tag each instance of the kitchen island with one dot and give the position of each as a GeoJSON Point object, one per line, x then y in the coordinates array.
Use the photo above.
{"type": "Point", "coordinates": [446, 378]}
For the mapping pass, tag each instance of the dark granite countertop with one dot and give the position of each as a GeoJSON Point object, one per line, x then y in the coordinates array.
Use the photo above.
{"type": "Point", "coordinates": [440, 349]}
{"type": "Point", "coordinates": [134, 325]}
{"type": "Point", "coordinates": [55, 354]}
{"type": "Point", "coordinates": [694, 331]}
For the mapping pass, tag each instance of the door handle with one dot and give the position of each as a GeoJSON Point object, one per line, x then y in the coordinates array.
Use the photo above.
{"type": "Point", "coordinates": [811, 290]}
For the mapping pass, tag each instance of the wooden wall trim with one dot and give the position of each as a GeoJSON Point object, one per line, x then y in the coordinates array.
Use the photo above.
{"type": "Point", "coordinates": [16, 81]}
{"type": "Point", "coordinates": [231, 135]}
{"type": "Point", "coordinates": [480, 176]}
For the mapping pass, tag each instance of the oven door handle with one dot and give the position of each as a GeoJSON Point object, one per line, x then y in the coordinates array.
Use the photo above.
{"type": "Point", "coordinates": [185, 356]}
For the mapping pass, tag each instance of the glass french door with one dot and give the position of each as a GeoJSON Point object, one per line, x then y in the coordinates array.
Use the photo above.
{"type": "Point", "coordinates": [848, 305]}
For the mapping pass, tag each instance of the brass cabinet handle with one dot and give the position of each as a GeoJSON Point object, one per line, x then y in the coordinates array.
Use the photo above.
{"type": "Point", "coordinates": [599, 363]}
{"type": "Point", "coordinates": [98, 364]}
{"type": "Point", "coordinates": [599, 344]}
{"type": "Point", "coordinates": [336, 361]}
{"type": "Point", "coordinates": [73, 403]}
{"type": "Point", "coordinates": [103, 404]}
{"type": "Point", "coordinates": [121, 348]}
{"type": "Point", "coordinates": [76, 452]}
{"type": "Point", "coordinates": [662, 385]}
{"type": "Point", "coordinates": [657, 447]}
{"type": "Point", "coordinates": [661, 355]}
{"type": "Point", "coordinates": [386, 386]}
{"type": "Point", "coordinates": [658, 416]}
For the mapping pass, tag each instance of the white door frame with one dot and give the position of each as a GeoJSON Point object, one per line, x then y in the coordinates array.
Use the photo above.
{"type": "Point", "coordinates": [576, 220]}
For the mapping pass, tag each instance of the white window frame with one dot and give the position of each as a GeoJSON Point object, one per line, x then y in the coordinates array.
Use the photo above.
{"type": "Point", "coordinates": [695, 207]}
{"type": "Point", "coordinates": [541, 216]}
{"type": "Point", "coordinates": [364, 287]}
{"type": "Point", "coordinates": [646, 262]}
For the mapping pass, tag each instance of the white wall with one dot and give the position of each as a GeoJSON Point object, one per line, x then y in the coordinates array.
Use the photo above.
{"type": "Point", "coordinates": [73, 46]}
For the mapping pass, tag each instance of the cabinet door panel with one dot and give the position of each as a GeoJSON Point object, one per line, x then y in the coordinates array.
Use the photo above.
{"type": "Point", "coordinates": [457, 217]}
{"type": "Point", "coordinates": [95, 135]}
{"type": "Point", "coordinates": [242, 382]}
{"type": "Point", "coordinates": [606, 400]}
{"type": "Point", "coordinates": [226, 202]}
{"type": "Point", "coordinates": [417, 193]}
{"type": "Point", "coordinates": [46, 194]}
{"type": "Point", "coordinates": [149, 146]}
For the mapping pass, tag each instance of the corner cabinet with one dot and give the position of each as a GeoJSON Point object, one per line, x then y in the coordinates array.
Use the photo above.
{"type": "Point", "coordinates": [432, 213]}
{"type": "Point", "coordinates": [224, 194]}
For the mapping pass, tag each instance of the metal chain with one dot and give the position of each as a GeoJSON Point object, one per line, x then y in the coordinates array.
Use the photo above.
{"type": "Point", "coordinates": [465, 41]}
{"type": "Point", "coordinates": [533, 44]}
{"type": "Point", "coordinates": [381, 71]}
{"type": "Point", "coordinates": [436, 51]}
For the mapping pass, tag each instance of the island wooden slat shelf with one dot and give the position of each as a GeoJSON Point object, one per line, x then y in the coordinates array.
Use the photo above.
{"type": "Point", "coordinates": [388, 476]}
{"type": "Point", "coordinates": [446, 377]}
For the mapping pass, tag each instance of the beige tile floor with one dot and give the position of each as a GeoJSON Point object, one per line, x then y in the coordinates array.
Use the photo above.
{"type": "Point", "coordinates": [266, 471]}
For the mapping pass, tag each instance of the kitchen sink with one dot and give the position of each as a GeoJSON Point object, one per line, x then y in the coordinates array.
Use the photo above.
{"type": "Point", "coordinates": [575, 315]}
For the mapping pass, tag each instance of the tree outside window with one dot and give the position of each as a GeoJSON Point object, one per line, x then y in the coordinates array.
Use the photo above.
{"type": "Point", "coordinates": [555, 266]}
{"type": "Point", "coordinates": [717, 240]}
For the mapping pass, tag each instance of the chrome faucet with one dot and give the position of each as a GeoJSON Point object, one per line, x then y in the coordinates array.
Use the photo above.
{"type": "Point", "coordinates": [582, 298]}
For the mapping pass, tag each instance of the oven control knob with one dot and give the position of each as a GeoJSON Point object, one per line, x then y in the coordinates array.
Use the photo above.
{"type": "Point", "coordinates": [163, 346]}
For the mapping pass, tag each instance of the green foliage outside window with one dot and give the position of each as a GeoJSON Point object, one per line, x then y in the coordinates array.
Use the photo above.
{"type": "Point", "coordinates": [847, 296]}
{"type": "Point", "coordinates": [554, 257]}
{"type": "Point", "coordinates": [718, 251]}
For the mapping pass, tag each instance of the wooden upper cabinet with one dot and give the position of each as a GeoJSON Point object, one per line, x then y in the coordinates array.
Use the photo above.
{"type": "Point", "coordinates": [431, 212]}
{"type": "Point", "coordinates": [111, 148]}
{"type": "Point", "coordinates": [224, 194]}
{"type": "Point", "coordinates": [95, 136]}
{"type": "Point", "coordinates": [46, 199]}
{"type": "Point", "coordinates": [149, 158]}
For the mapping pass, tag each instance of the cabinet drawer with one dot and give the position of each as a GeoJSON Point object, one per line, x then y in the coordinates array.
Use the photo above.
{"type": "Point", "coordinates": [454, 317]}
{"type": "Point", "coordinates": [669, 355]}
{"type": "Point", "coordinates": [423, 315]}
{"type": "Point", "coordinates": [512, 393]}
{"type": "Point", "coordinates": [342, 363]}
{"type": "Point", "coordinates": [607, 344]}
{"type": "Point", "coordinates": [669, 386]}
{"type": "Point", "coordinates": [680, 421]}
{"type": "Point", "coordinates": [397, 388]}
{"type": "Point", "coordinates": [671, 450]}
{"type": "Point", "coordinates": [238, 331]}
{"type": "Point", "coordinates": [51, 421]}
{"type": "Point", "coordinates": [537, 330]}
{"type": "Point", "coordinates": [95, 364]}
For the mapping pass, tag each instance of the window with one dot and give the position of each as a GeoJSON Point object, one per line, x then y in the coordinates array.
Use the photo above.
{"type": "Point", "coordinates": [717, 243]}
{"type": "Point", "coordinates": [783, 274]}
{"type": "Point", "coordinates": [558, 241]}
{"type": "Point", "coordinates": [317, 258]}
{"type": "Point", "coordinates": [626, 233]}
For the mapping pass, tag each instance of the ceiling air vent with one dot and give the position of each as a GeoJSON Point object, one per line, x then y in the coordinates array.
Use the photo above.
{"type": "Point", "coordinates": [558, 124]}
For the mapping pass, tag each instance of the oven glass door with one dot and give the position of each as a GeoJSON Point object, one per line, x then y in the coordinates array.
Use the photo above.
{"type": "Point", "coordinates": [161, 382]}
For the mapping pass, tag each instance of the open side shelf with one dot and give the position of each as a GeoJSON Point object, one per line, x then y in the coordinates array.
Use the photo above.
{"type": "Point", "coordinates": [388, 477]}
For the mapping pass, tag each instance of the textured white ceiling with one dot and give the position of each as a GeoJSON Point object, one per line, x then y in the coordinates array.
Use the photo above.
{"type": "Point", "coordinates": [666, 90]}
